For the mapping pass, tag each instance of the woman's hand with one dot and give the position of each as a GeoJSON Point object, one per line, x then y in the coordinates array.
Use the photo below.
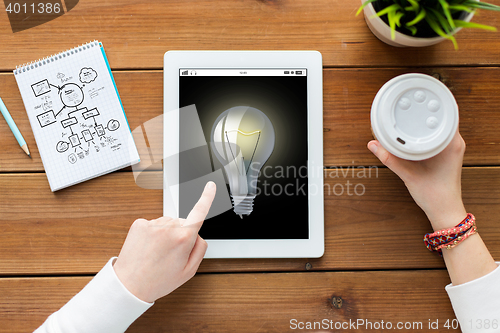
{"type": "Point", "coordinates": [160, 255]}
{"type": "Point", "coordinates": [434, 184]}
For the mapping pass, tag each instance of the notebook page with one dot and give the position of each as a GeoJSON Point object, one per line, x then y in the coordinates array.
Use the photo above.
{"type": "Point", "coordinates": [76, 115]}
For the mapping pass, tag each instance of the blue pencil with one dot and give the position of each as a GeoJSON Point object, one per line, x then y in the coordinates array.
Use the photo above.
{"type": "Point", "coordinates": [13, 128]}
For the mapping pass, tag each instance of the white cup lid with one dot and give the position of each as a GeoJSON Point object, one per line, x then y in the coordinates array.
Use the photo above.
{"type": "Point", "coordinates": [414, 116]}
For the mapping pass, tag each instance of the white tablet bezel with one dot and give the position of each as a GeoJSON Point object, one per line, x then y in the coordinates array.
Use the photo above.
{"type": "Point", "coordinates": [243, 248]}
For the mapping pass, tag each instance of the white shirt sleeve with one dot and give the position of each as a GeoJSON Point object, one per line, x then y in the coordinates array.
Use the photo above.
{"type": "Point", "coordinates": [477, 303]}
{"type": "Point", "coordinates": [103, 306]}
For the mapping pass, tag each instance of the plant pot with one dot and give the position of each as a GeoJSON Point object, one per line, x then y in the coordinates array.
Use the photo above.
{"type": "Point", "coordinates": [414, 116]}
{"type": "Point", "coordinates": [383, 32]}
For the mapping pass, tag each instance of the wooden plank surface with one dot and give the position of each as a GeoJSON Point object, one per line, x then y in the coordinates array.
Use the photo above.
{"type": "Point", "coordinates": [136, 34]}
{"type": "Point", "coordinates": [255, 302]}
{"type": "Point", "coordinates": [348, 94]}
{"type": "Point", "coordinates": [76, 230]}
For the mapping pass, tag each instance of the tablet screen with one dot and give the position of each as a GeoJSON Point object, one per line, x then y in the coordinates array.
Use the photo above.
{"type": "Point", "coordinates": [254, 122]}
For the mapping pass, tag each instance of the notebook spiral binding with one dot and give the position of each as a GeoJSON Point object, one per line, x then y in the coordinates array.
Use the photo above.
{"type": "Point", "coordinates": [53, 58]}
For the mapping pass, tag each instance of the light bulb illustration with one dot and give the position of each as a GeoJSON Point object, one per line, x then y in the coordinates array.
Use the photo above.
{"type": "Point", "coordinates": [242, 139]}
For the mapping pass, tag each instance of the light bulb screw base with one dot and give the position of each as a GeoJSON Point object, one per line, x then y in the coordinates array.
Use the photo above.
{"type": "Point", "coordinates": [243, 204]}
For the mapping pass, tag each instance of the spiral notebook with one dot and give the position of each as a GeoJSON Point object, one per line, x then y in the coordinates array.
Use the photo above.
{"type": "Point", "coordinates": [76, 115]}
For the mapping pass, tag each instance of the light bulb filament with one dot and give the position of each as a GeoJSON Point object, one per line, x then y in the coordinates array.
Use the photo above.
{"type": "Point", "coordinates": [243, 159]}
{"type": "Point", "coordinates": [244, 133]}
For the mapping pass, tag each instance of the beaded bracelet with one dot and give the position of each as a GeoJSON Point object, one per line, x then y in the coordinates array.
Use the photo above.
{"type": "Point", "coordinates": [451, 237]}
{"type": "Point", "coordinates": [459, 240]}
{"type": "Point", "coordinates": [447, 235]}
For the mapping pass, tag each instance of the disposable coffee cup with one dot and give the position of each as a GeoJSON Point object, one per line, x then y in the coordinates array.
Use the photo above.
{"type": "Point", "coordinates": [414, 116]}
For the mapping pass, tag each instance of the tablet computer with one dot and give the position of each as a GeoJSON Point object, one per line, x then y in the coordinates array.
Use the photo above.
{"type": "Point", "coordinates": [252, 122]}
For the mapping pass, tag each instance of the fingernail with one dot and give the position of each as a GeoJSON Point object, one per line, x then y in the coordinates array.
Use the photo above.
{"type": "Point", "coordinates": [373, 147]}
{"type": "Point", "coordinates": [210, 185]}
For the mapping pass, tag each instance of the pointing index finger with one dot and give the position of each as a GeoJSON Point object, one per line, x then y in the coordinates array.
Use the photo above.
{"type": "Point", "coordinates": [200, 210]}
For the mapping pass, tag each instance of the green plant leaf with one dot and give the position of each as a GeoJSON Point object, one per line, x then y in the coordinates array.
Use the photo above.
{"type": "Point", "coordinates": [392, 24]}
{"type": "Point", "coordinates": [439, 19]}
{"type": "Point", "coordinates": [387, 10]}
{"type": "Point", "coordinates": [481, 5]}
{"type": "Point", "coordinates": [463, 24]}
{"type": "Point", "coordinates": [397, 17]}
{"type": "Point", "coordinates": [461, 8]}
{"type": "Point", "coordinates": [418, 18]}
{"type": "Point", "coordinates": [394, 18]}
{"type": "Point", "coordinates": [433, 24]}
{"type": "Point", "coordinates": [414, 4]}
{"type": "Point", "coordinates": [412, 29]}
{"type": "Point", "coordinates": [366, 3]}
{"type": "Point", "coordinates": [447, 13]}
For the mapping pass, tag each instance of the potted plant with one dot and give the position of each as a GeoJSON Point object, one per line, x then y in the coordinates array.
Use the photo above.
{"type": "Point", "coordinates": [421, 22]}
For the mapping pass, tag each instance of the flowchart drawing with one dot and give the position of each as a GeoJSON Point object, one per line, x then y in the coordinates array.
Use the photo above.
{"type": "Point", "coordinates": [46, 118]}
{"type": "Point", "coordinates": [100, 130]}
{"type": "Point", "coordinates": [87, 136]}
{"type": "Point", "coordinates": [41, 88]}
{"type": "Point", "coordinates": [113, 125]}
{"type": "Point", "coordinates": [62, 146]}
{"type": "Point", "coordinates": [91, 113]}
{"type": "Point", "coordinates": [82, 129]}
{"type": "Point", "coordinates": [72, 158]}
{"type": "Point", "coordinates": [75, 140]}
{"type": "Point", "coordinates": [71, 94]}
{"type": "Point", "coordinates": [87, 75]}
{"type": "Point", "coordinates": [68, 122]}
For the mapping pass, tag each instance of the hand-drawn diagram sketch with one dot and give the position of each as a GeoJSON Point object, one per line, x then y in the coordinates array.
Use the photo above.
{"type": "Point", "coordinates": [84, 128]}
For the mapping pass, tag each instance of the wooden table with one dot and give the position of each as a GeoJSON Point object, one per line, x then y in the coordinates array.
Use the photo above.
{"type": "Point", "coordinates": [375, 265]}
